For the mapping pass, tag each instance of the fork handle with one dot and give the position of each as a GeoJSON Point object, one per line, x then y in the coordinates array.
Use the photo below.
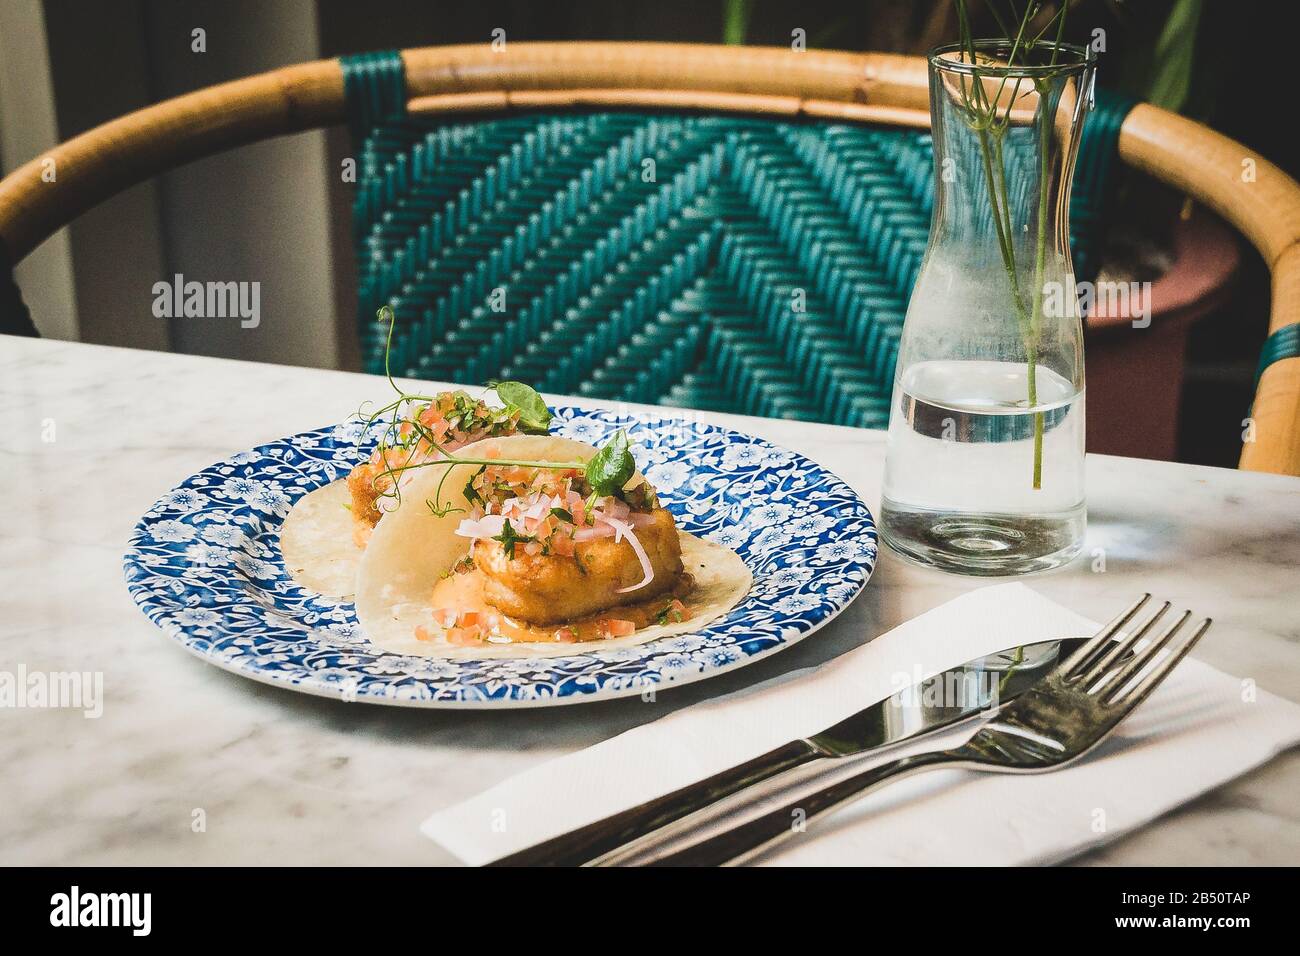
{"type": "Point", "coordinates": [756, 836]}
{"type": "Point", "coordinates": [590, 842]}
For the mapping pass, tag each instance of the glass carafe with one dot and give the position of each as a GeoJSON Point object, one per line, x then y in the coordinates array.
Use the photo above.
{"type": "Point", "coordinates": [985, 467]}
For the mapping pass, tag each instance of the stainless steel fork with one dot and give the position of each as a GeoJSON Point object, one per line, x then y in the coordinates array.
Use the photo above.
{"type": "Point", "coordinates": [1060, 719]}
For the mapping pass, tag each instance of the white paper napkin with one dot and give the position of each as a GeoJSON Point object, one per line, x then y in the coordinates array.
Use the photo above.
{"type": "Point", "coordinates": [1200, 729]}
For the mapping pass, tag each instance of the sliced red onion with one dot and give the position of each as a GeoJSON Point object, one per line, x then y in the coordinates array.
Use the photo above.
{"type": "Point", "coordinates": [622, 528]}
{"type": "Point", "coordinates": [489, 526]}
{"type": "Point", "coordinates": [592, 532]}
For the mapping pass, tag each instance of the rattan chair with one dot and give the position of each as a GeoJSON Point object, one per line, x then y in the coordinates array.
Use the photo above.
{"type": "Point", "coordinates": [450, 83]}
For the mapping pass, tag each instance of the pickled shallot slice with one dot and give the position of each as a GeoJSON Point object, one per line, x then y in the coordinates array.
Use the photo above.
{"type": "Point", "coordinates": [623, 529]}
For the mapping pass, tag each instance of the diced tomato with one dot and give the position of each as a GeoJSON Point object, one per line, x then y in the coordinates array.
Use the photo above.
{"type": "Point", "coordinates": [616, 627]}
{"type": "Point", "coordinates": [463, 636]}
{"type": "Point", "coordinates": [469, 619]}
{"type": "Point", "coordinates": [445, 616]}
{"type": "Point", "coordinates": [566, 635]}
{"type": "Point", "coordinates": [562, 545]}
{"type": "Point", "coordinates": [422, 633]}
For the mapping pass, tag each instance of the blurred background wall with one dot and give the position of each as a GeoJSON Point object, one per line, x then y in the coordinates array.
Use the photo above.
{"type": "Point", "coordinates": [278, 212]}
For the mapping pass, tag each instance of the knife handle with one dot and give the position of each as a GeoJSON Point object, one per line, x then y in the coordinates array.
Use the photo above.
{"type": "Point", "coordinates": [754, 837]}
{"type": "Point", "coordinates": [594, 840]}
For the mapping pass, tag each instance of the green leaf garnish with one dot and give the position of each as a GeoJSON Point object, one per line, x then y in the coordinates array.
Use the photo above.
{"type": "Point", "coordinates": [562, 514]}
{"type": "Point", "coordinates": [669, 613]}
{"type": "Point", "coordinates": [534, 416]}
{"type": "Point", "coordinates": [611, 467]}
{"type": "Point", "coordinates": [470, 492]}
{"type": "Point", "coordinates": [509, 538]}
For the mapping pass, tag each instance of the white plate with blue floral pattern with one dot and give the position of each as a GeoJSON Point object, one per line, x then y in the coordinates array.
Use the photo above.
{"type": "Point", "coordinates": [204, 564]}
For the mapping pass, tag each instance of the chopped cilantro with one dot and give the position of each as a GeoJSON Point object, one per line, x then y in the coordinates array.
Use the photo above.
{"type": "Point", "coordinates": [471, 493]}
{"type": "Point", "coordinates": [509, 538]}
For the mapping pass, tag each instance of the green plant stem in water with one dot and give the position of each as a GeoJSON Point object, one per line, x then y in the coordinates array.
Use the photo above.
{"type": "Point", "coordinates": [991, 149]}
{"type": "Point", "coordinates": [982, 116]}
{"type": "Point", "coordinates": [1044, 143]}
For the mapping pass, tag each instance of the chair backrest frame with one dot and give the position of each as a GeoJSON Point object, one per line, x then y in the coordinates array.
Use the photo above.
{"type": "Point", "coordinates": [1247, 190]}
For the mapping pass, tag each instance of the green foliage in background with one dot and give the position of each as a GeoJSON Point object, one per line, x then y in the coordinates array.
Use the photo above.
{"type": "Point", "coordinates": [735, 21]}
{"type": "Point", "coordinates": [1175, 56]}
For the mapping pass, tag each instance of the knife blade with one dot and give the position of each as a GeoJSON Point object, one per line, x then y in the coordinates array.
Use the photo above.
{"type": "Point", "coordinates": [922, 708]}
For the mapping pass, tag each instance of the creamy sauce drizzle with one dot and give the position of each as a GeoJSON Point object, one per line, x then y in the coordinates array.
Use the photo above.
{"type": "Point", "coordinates": [463, 592]}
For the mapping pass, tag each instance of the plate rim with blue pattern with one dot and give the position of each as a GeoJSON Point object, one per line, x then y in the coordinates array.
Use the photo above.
{"type": "Point", "coordinates": [203, 564]}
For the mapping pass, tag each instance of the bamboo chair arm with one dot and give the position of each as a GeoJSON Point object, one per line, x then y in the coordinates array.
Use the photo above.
{"type": "Point", "coordinates": [103, 161]}
{"type": "Point", "coordinates": [1272, 439]}
{"type": "Point", "coordinates": [1264, 203]}
{"type": "Point", "coordinates": [135, 147]}
{"type": "Point", "coordinates": [775, 80]}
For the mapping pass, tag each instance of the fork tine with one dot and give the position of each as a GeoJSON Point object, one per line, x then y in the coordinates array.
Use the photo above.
{"type": "Point", "coordinates": [1162, 670]}
{"type": "Point", "coordinates": [1079, 657]}
{"type": "Point", "coordinates": [1107, 660]}
{"type": "Point", "coordinates": [1119, 678]}
{"type": "Point", "coordinates": [1076, 659]}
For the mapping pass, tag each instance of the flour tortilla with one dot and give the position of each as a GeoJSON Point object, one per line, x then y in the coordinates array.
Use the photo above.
{"type": "Point", "coordinates": [318, 541]}
{"type": "Point", "coordinates": [412, 548]}
{"type": "Point", "coordinates": [317, 544]}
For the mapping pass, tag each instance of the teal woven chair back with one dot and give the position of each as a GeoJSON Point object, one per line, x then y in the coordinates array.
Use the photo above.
{"type": "Point", "coordinates": [722, 262]}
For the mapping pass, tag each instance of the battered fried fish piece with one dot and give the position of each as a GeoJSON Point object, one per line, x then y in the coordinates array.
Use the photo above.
{"type": "Point", "coordinates": [366, 483]}
{"type": "Point", "coordinates": [554, 589]}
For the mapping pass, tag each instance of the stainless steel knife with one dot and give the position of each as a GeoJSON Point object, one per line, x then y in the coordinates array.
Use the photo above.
{"type": "Point", "coordinates": [923, 708]}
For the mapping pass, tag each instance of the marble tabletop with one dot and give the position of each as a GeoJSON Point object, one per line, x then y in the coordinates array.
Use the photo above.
{"type": "Point", "coordinates": [189, 764]}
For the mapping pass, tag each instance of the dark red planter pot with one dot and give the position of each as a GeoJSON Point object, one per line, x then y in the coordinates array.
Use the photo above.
{"type": "Point", "coordinates": [1135, 375]}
